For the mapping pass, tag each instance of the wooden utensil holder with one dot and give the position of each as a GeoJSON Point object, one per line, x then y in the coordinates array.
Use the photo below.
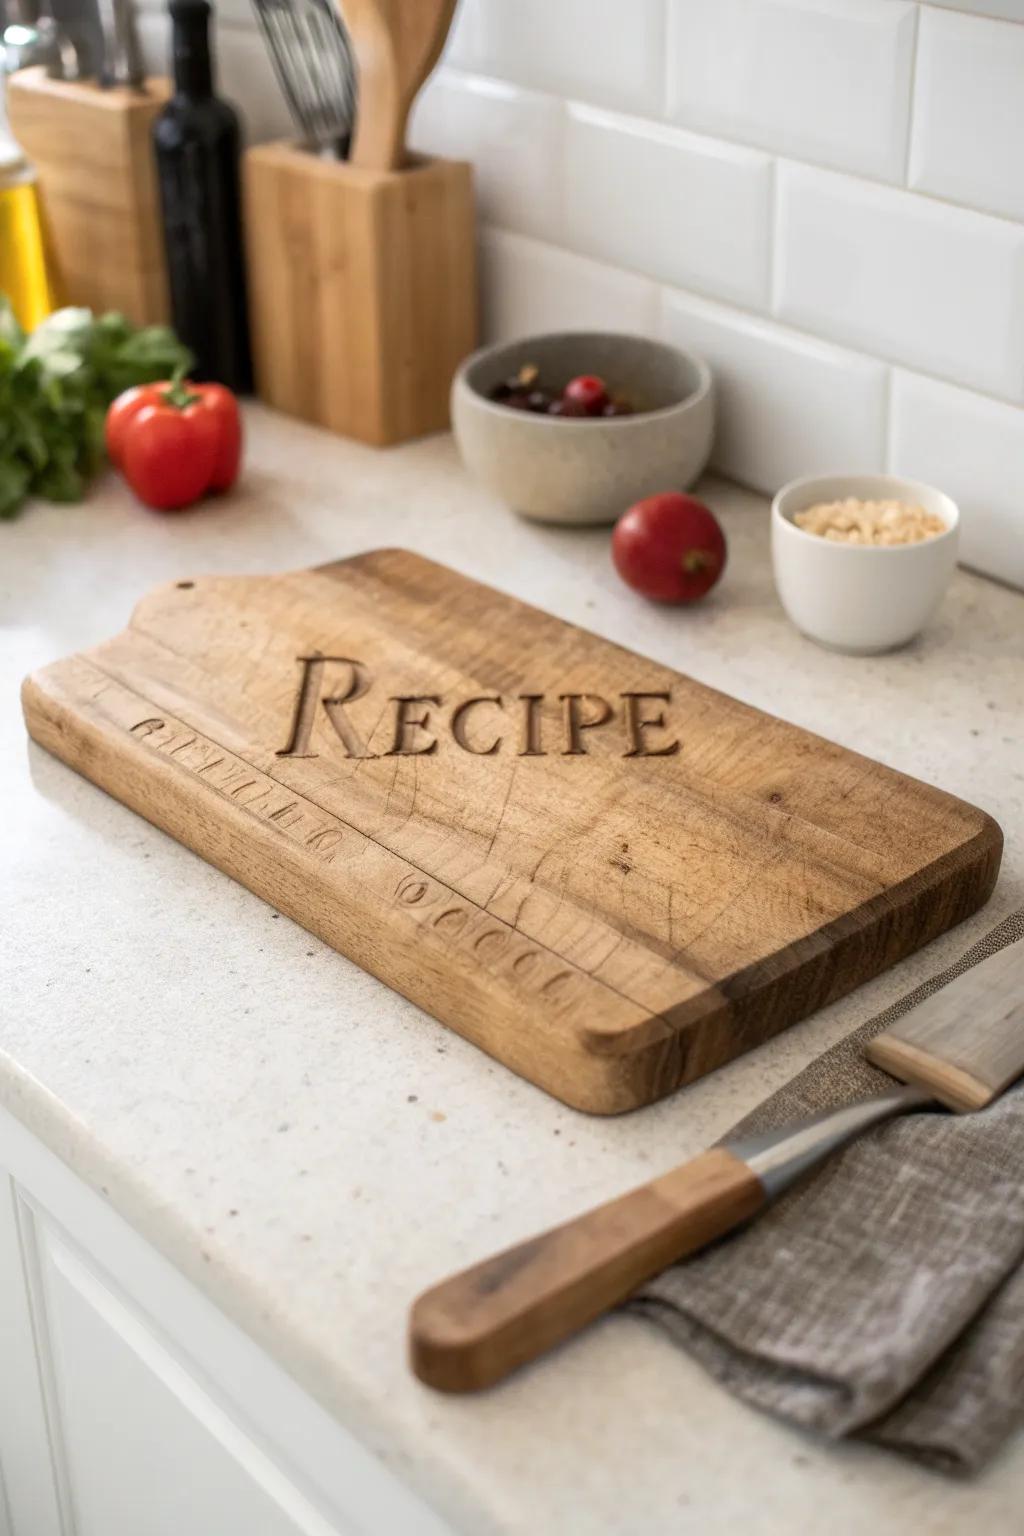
{"type": "Point", "coordinates": [362, 289]}
{"type": "Point", "coordinates": [93, 153]}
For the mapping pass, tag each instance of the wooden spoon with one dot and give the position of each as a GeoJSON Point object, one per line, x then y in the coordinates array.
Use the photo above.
{"type": "Point", "coordinates": [396, 43]}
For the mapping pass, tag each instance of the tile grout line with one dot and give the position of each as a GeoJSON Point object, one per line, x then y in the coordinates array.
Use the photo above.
{"type": "Point", "coordinates": [912, 103]}
{"type": "Point", "coordinates": [775, 242]}
{"type": "Point", "coordinates": [668, 32]}
{"type": "Point", "coordinates": [887, 425]}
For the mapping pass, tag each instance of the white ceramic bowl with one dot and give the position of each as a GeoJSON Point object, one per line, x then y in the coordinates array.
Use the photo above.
{"type": "Point", "coordinates": [854, 597]}
{"type": "Point", "coordinates": [586, 471]}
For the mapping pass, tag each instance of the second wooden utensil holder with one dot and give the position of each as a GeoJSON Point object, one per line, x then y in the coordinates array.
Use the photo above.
{"type": "Point", "coordinates": [362, 289]}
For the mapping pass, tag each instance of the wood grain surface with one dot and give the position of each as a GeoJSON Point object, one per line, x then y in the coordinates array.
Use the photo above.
{"type": "Point", "coordinates": [476, 1328]}
{"type": "Point", "coordinates": [362, 289]}
{"type": "Point", "coordinates": [607, 875]}
{"type": "Point", "coordinates": [93, 152]}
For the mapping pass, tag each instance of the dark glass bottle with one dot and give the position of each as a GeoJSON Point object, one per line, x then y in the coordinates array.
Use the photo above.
{"type": "Point", "coordinates": [197, 143]}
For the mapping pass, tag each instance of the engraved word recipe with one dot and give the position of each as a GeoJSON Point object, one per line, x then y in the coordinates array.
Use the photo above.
{"type": "Point", "coordinates": [482, 725]}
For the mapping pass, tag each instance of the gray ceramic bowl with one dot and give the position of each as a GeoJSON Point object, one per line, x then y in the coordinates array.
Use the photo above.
{"type": "Point", "coordinates": [591, 470]}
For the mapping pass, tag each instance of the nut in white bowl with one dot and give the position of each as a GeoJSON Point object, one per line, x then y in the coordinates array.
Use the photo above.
{"type": "Point", "coordinates": [861, 598]}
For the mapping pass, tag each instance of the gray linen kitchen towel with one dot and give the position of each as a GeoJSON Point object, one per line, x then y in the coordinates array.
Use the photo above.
{"type": "Point", "coordinates": [884, 1297]}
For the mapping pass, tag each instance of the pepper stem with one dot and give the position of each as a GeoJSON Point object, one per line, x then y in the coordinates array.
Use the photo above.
{"type": "Point", "coordinates": [180, 394]}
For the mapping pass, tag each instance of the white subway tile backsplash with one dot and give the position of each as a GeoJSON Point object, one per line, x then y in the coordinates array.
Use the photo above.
{"type": "Point", "coordinates": [1009, 10]}
{"type": "Point", "coordinates": [237, 13]}
{"type": "Point", "coordinates": [968, 138]}
{"type": "Point", "coordinates": [528, 287]}
{"type": "Point", "coordinates": [155, 41]}
{"type": "Point", "coordinates": [921, 282]}
{"type": "Point", "coordinates": [610, 52]}
{"type": "Point", "coordinates": [691, 211]}
{"type": "Point", "coordinates": [460, 49]}
{"type": "Point", "coordinates": [716, 171]}
{"type": "Point", "coordinates": [512, 136]}
{"type": "Point", "coordinates": [973, 448]}
{"type": "Point", "coordinates": [821, 80]}
{"type": "Point", "coordinates": [788, 405]}
{"type": "Point", "coordinates": [243, 63]}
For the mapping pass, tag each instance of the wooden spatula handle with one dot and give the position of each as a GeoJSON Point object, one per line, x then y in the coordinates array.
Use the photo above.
{"type": "Point", "coordinates": [397, 43]}
{"type": "Point", "coordinates": [472, 1330]}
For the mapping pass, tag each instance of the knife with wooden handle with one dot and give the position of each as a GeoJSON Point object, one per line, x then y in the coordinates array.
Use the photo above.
{"type": "Point", "coordinates": [958, 1050]}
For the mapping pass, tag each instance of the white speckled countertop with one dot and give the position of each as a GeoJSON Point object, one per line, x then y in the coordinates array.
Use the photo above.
{"type": "Point", "coordinates": [310, 1148]}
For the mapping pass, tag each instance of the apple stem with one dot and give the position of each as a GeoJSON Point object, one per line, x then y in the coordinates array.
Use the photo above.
{"type": "Point", "coordinates": [698, 560]}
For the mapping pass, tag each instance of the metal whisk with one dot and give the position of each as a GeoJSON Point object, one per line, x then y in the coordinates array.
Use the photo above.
{"type": "Point", "coordinates": [314, 63]}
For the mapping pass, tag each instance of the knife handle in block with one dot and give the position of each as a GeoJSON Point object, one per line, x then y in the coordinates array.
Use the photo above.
{"type": "Point", "coordinates": [474, 1329]}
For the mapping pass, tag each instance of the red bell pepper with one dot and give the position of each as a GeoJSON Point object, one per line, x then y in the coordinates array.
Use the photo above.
{"type": "Point", "coordinates": [176, 440]}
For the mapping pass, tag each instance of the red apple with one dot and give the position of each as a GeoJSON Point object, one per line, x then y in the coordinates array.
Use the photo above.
{"type": "Point", "coordinates": [669, 547]}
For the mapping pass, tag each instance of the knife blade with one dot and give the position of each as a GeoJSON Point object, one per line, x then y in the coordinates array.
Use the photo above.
{"type": "Point", "coordinates": [122, 64]}
{"type": "Point", "coordinates": [958, 1050]}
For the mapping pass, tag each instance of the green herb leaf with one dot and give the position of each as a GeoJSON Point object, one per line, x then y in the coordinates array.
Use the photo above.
{"type": "Point", "coordinates": [64, 330]}
{"type": "Point", "coordinates": [61, 480]}
{"type": "Point", "coordinates": [14, 480]}
{"type": "Point", "coordinates": [11, 333]}
{"type": "Point", "coordinates": [55, 387]}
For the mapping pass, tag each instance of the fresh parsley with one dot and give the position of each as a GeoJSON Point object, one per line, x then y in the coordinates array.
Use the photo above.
{"type": "Point", "coordinates": [55, 387]}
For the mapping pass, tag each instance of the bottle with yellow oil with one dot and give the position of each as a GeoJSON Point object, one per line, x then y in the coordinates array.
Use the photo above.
{"type": "Point", "coordinates": [24, 276]}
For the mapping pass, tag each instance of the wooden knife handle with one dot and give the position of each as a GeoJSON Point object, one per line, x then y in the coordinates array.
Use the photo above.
{"type": "Point", "coordinates": [474, 1329]}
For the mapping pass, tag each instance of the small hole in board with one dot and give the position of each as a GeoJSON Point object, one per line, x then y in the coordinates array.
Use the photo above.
{"type": "Point", "coordinates": [183, 586]}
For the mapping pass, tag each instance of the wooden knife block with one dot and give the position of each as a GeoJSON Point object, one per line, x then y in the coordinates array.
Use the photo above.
{"type": "Point", "coordinates": [93, 152]}
{"type": "Point", "coordinates": [362, 289]}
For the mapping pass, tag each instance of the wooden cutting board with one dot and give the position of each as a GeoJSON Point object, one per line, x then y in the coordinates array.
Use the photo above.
{"type": "Point", "coordinates": [607, 875]}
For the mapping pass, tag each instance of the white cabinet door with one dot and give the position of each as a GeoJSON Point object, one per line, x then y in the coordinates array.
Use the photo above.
{"type": "Point", "coordinates": [149, 1452]}
{"type": "Point", "coordinates": [32, 1492]}
{"type": "Point", "coordinates": [130, 1405]}
{"type": "Point", "coordinates": [5, 1519]}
